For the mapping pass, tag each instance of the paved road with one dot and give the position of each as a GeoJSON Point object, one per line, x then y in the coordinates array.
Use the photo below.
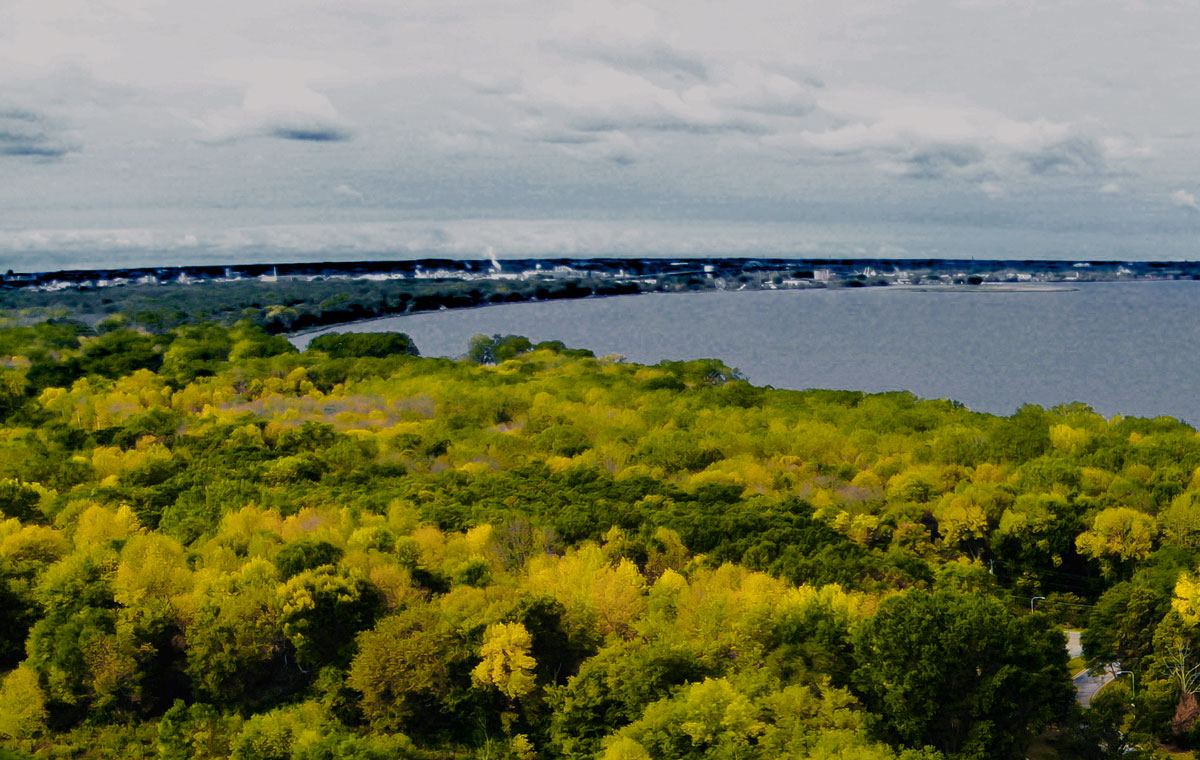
{"type": "Point", "coordinates": [1074, 648]}
{"type": "Point", "coordinates": [1086, 685]}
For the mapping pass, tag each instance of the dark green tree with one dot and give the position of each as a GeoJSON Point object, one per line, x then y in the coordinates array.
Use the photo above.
{"type": "Point", "coordinates": [355, 345]}
{"type": "Point", "coordinates": [961, 673]}
{"type": "Point", "coordinates": [499, 348]}
{"type": "Point", "coordinates": [305, 554]}
{"type": "Point", "coordinates": [19, 500]}
{"type": "Point", "coordinates": [1121, 627]}
{"type": "Point", "coordinates": [322, 612]}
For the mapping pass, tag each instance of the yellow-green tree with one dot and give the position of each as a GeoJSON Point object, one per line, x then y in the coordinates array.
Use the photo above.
{"type": "Point", "coordinates": [22, 705]}
{"type": "Point", "coordinates": [506, 663]}
{"type": "Point", "coordinates": [402, 662]}
{"type": "Point", "coordinates": [1118, 534]}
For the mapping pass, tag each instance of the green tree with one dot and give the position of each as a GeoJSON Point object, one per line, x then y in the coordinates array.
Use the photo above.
{"type": "Point", "coordinates": [506, 663]}
{"type": "Point", "coordinates": [1121, 626]}
{"type": "Point", "coordinates": [711, 719]}
{"type": "Point", "coordinates": [195, 732]}
{"type": "Point", "coordinates": [402, 665]}
{"type": "Point", "coordinates": [305, 554]}
{"type": "Point", "coordinates": [961, 673]}
{"type": "Point", "coordinates": [323, 609]}
{"type": "Point", "coordinates": [19, 613]}
{"type": "Point", "coordinates": [195, 351]}
{"type": "Point", "coordinates": [1118, 535]}
{"type": "Point", "coordinates": [19, 500]}
{"type": "Point", "coordinates": [22, 705]}
{"type": "Point", "coordinates": [498, 348]}
{"type": "Point", "coordinates": [612, 689]}
{"type": "Point", "coordinates": [237, 653]}
{"type": "Point", "coordinates": [355, 345]}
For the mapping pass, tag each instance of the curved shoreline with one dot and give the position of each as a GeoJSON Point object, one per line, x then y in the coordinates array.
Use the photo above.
{"type": "Point", "coordinates": [1031, 287]}
{"type": "Point", "coordinates": [314, 331]}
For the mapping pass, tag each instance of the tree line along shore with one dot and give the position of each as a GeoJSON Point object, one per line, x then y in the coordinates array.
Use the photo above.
{"type": "Point", "coordinates": [301, 297]}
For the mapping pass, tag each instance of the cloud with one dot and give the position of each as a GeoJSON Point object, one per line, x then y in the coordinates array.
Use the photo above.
{"type": "Point", "coordinates": [614, 82]}
{"type": "Point", "coordinates": [992, 189]}
{"type": "Point", "coordinates": [1184, 199]}
{"type": "Point", "coordinates": [669, 123]}
{"type": "Point", "coordinates": [30, 249]}
{"type": "Point", "coordinates": [281, 108]}
{"type": "Point", "coordinates": [874, 119]}
{"type": "Point", "coordinates": [937, 161]}
{"type": "Point", "coordinates": [757, 109]}
{"type": "Point", "coordinates": [928, 137]}
{"type": "Point", "coordinates": [645, 99]}
{"type": "Point", "coordinates": [594, 97]}
{"type": "Point", "coordinates": [1075, 155]}
{"type": "Point", "coordinates": [610, 145]}
{"type": "Point", "coordinates": [654, 60]}
{"type": "Point", "coordinates": [29, 134]}
{"type": "Point", "coordinates": [346, 191]}
{"type": "Point", "coordinates": [309, 133]}
{"type": "Point", "coordinates": [566, 138]}
{"type": "Point", "coordinates": [464, 141]}
{"type": "Point", "coordinates": [1109, 188]}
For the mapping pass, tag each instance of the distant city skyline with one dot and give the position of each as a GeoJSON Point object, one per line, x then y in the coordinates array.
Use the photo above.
{"type": "Point", "coordinates": [152, 132]}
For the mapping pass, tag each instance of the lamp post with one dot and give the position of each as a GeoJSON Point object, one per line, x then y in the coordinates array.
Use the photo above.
{"type": "Point", "coordinates": [1132, 680]}
{"type": "Point", "coordinates": [1033, 603]}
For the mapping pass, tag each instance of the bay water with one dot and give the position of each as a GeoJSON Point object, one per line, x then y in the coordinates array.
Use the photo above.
{"type": "Point", "coordinates": [1130, 348]}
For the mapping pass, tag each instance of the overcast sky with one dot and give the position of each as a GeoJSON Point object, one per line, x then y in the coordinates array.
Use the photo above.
{"type": "Point", "coordinates": [144, 131]}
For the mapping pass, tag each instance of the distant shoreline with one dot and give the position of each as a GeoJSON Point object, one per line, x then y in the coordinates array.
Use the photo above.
{"type": "Point", "coordinates": [306, 298]}
{"type": "Point", "coordinates": [991, 287]}
{"type": "Point", "coordinates": [824, 271]}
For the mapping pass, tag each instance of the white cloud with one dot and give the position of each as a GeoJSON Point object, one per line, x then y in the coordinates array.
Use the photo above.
{"type": "Point", "coordinates": [1109, 188]}
{"type": "Point", "coordinates": [933, 137]}
{"type": "Point", "coordinates": [1124, 148]}
{"type": "Point", "coordinates": [875, 118]}
{"type": "Point", "coordinates": [1184, 199]}
{"type": "Point", "coordinates": [611, 81]}
{"type": "Point", "coordinates": [346, 191]}
{"type": "Point", "coordinates": [277, 107]}
{"type": "Point", "coordinates": [592, 97]}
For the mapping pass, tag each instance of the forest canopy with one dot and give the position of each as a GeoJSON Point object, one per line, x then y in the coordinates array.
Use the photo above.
{"type": "Point", "coordinates": [214, 545]}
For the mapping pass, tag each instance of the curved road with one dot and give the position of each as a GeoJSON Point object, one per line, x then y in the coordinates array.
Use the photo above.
{"type": "Point", "coordinates": [1086, 684]}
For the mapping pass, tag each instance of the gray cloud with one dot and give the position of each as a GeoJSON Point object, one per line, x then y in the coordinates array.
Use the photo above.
{"type": "Point", "coordinates": [280, 107]}
{"type": "Point", "coordinates": [712, 102]}
{"type": "Point", "coordinates": [628, 101]}
{"type": "Point", "coordinates": [566, 138]}
{"type": "Point", "coordinates": [653, 61]}
{"type": "Point", "coordinates": [670, 124]}
{"type": "Point", "coordinates": [317, 134]}
{"type": "Point", "coordinates": [794, 108]}
{"type": "Point", "coordinates": [1075, 155]}
{"type": "Point", "coordinates": [29, 134]}
{"type": "Point", "coordinates": [936, 161]}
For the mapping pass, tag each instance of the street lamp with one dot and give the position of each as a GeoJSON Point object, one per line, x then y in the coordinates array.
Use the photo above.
{"type": "Point", "coordinates": [1132, 680]}
{"type": "Point", "coordinates": [1033, 602]}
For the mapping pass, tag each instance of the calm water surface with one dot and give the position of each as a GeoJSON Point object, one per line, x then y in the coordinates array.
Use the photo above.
{"type": "Point", "coordinates": [1124, 348]}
